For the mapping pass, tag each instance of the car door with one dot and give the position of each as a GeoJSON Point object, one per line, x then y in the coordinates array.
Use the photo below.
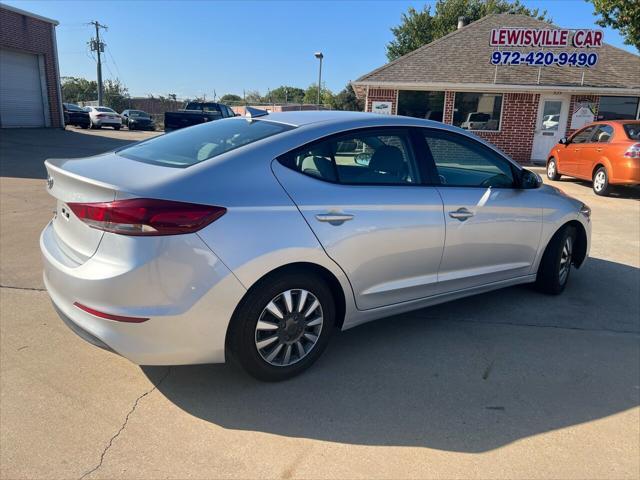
{"type": "Point", "coordinates": [575, 151]}
{"type": "Point", "coordinates": [592, 150]}
{"type": "Point", "coordinates": [492, 227]}
{"type": "Point", "coordinates": [361, 194]}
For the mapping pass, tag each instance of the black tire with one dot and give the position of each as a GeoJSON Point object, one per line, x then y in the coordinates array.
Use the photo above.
{"type": "Point", "coordinates": [243, 337]}
{"type": "Point", "coordinates": [550, 278]}
{"type": "Point", "coordinates": [116, 127]}
{"type": "Point", "coordinates": [84, 126]}
{"type": "Point", "coordinates": [601, 182]}
{"type": "Point", "coordinates": [552, 173]}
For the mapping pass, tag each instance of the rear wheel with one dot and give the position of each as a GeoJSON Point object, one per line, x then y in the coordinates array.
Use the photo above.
{"type": "Point", "coordinates": [116, 127]}
{"type": "Point", "coordinates": [552, 170]}
{"type": "Point", "coordinates": [555, 266]}
{"type": "Point", "coordinates": [601, 182]}
{"type": "Point", "coordinates": [282, 326]}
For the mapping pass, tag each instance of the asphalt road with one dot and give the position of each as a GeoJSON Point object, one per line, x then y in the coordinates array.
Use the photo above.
{"type": "Point", "coordinates": [510, 384]}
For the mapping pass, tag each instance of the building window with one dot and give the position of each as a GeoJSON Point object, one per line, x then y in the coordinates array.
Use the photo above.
{"type": "Point", "coordinates": [421, 104]}
{"type": "Point", "coordinates": [477, 111]}
{"type": "Point", "coordinates": [618, 108]}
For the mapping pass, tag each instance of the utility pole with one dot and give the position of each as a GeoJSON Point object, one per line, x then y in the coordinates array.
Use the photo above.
{"type": "Point", "coordinates": [97, 46]}
{"type": "Point", "coordinates": [319, 56]}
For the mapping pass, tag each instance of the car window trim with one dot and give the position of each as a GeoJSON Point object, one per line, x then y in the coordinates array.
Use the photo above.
{"type": "Point", "coordinates": [405, 130]}
{"type": "Point", "coordinates": [517, 174]}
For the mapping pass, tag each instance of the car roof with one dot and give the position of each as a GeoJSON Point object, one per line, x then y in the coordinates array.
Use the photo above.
{"type": "Point", "coordinates": [301, 118]}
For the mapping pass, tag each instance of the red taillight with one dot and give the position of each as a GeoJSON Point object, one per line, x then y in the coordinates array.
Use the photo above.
{"type": "Point", "coordinates": [109, 316]}
{"type": "Point", "coordinates": [100, 115]}
{"type": "Point", "coordinates": [145, 216]}
{"type": "Point", "coordinates": [633, 151]}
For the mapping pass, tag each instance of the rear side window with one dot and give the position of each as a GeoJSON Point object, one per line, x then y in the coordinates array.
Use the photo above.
{"type": "Point", "coordinates": [462, 162]}
{"type": "Point", "coordinates": [380, 157]}
{"type": "Point", "coordinates": [583, 136]}
{"type": "Point", "coordinates": [603, 134]}
{"type": "Point", "coordinates": [632, 130]}
{"type": "Point", "coordinates": [192, 145]}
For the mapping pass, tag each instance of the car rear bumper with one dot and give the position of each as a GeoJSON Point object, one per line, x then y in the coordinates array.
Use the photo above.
{"type": "Point", "coordinates": [107, 122]}
{"type": "Point", "coordinates": [626, 172]}
{"type": "Point", "coordinates": [184, 290]}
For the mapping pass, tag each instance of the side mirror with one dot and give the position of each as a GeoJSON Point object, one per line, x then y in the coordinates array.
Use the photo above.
{"type": "Point", "coordinates": [564, 141]}
{"type": "Point", "coordinates": [530, 180]}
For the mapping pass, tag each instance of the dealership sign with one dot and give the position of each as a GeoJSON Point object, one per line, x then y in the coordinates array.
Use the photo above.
{"type": "Point", "coordinates": [565, 47]}
{"type": "Point", "coordinates": [383, 108]}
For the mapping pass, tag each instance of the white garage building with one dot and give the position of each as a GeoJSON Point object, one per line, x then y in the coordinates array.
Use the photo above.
{"type": "Point", "coordinates": [29, 73]}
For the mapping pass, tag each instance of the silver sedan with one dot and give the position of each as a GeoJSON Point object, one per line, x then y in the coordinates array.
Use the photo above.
{"type": "Point", "coordinates": [256, 238]}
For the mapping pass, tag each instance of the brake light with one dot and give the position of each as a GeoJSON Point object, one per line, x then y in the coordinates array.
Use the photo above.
{"type": "Point", "coordinates": [100, 115]}
{"type": "Point", "coordinates": [633, 151]}
{"type": "Point", "coordinates": [145, 216]}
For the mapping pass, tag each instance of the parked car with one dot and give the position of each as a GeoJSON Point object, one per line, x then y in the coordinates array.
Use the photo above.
{"type": "Point", "coordinates": [479, 121]}
{"type": "Point", "coordinates": [255, 238]}
{"type": "Point", "coordinates": [606, 153]}
{"type": "Point", "coordinates": [195, 113]}
{"type": "Point", "coordinates": [104, 117]}
{"type": "Point", "coordinates": [75, 115]}
{"type": "Point", "coordinates": [137, 120]}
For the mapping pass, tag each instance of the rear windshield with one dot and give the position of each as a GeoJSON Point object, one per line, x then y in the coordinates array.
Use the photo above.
{"type": "Point", "coordinates": [192, 145]}
{"type": "Point", "coordinates": [632, 130]}
{"type": "Point", "coordinates": [73, 108]}
{"type": "Point", "coordinates": [138, 113]}
{"type": "Point", "coordinates": [104, 109]}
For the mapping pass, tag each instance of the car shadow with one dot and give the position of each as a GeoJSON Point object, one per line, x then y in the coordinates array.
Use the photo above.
{"type": "Point", "coordinates": [618, 191]}
{"type": "Point", "coordinates": [24, 150]}
{"type": "Point", "coordinates": [468, 376]}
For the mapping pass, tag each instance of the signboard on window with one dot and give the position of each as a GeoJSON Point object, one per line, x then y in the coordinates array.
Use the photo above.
{"type": "Point", "coordinates": [583, 115]}
{"type": "Point", "coordinates": [383, 108]}
{"type": "Point", "coordinates": [542, 47]}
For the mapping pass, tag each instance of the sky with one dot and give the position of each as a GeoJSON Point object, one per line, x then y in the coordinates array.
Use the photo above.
{"type": "Point", "coordinates": [195, 48]}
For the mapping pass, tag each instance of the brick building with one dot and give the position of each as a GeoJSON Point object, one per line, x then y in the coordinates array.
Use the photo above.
{"type": "Point", "coordinates": [29, 73]}
{"type": "Point", "coordinates": [469, 78]}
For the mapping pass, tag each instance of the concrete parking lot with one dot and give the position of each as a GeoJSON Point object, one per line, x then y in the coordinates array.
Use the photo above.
{"type": "Point", "coordinates": [509, 384]}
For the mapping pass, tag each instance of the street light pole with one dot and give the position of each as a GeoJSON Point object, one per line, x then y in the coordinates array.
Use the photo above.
{"type": "Point", "coordinates": [319, 56]}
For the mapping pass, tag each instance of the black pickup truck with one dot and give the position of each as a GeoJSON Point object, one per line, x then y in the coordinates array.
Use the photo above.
{"type": "Point", "coordinates": [195, 113]}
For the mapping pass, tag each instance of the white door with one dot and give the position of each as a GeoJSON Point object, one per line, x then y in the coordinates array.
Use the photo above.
{"type": "Point", "coordinates": [551, 124]}
{"type": "Point", "coordinates": [21, 102]}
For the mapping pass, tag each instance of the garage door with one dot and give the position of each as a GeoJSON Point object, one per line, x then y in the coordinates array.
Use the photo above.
{"type": "Point", "coordinates": [21, 102]}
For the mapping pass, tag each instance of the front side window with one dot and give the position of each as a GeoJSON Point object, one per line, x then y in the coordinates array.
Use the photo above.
{"type": "Point", "coordinates": [477, 111]}
{"type": "Point", "coordinates": [583, 136]}
{"type": "Point", "coordinates": [367, 158]}
{"type": "Point", "coordinates": [603, 134]}
{"type": "Point", "coordinates": [463, 162]}
{"type": "Point", "coordinates": [189, 146]}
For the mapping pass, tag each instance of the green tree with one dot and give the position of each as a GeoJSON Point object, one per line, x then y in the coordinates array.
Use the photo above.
{"type": "Point", "coordinates": [347, 100]}
{"type": "Point", "coordinates": [116, 95]}
{"type": "Point", "coordinates": [230, 98]}
{"type": "Point", "coordinates": [418, 28]}
{"type": "Point", "coordinates": [253, 96]}
{"type": "Point", "coordinates": [287, 94]}
{"type": "Point", "coordinates": [75, 89]}
{"type": "Point", "coordinates": [623, 15]}
{"type": "Point", "coordinates": [326, 97]}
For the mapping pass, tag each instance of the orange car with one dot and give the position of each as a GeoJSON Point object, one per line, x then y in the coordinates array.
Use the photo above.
{"type": "Point", "coordinates": [607, 153]}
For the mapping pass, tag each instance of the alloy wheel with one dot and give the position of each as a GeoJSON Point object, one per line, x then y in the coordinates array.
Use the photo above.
{"type": "Point", "coordinates": [565, 260]}
{"type": "Point", "coordinates": [551, 169]}
{"type": "Point", "coordinates": [289, 327]}
{"type": "Point", "coordinates": [599, 181]}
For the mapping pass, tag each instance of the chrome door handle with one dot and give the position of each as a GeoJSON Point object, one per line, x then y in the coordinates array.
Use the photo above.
{"type": "Point", "coordinates": [334, 218]}
{"type": "Point", "coordinates": [461, 214]}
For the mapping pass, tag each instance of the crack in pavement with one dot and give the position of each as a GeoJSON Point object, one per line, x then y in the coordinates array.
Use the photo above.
{"type": "Point", "coordinates": [124, 424]}
{"type": "Point", "coordinates": [33, 289]}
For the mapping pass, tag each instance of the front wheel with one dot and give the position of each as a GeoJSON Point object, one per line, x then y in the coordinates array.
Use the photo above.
{"type": "Point", "coordinates": [282, 326]}
{"type": "Point", "coordinates": [555, 266]}
{"type": "Point", "coordinates": [552, 170]}
{"type": "Point", "coordinates": [601, 182]}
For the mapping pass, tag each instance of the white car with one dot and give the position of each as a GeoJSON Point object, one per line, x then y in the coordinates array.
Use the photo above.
{"type": "Point", "coordinates": [255, 238]}
{"type": "Point", "coordinates": [104, 117]}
